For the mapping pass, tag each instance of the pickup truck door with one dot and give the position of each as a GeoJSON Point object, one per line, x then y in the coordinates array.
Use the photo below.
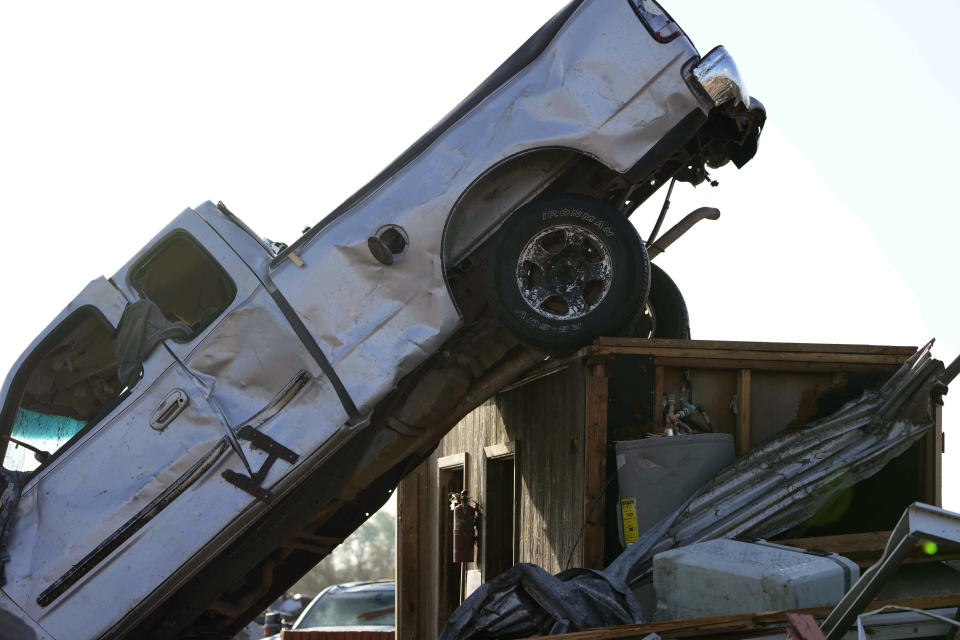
{"type": "Point", "coordinates": [238, 368]}
{"type": "Point", "coordinates": [255, 371]}
{"type": "Point", "coordinates": [84, 522]}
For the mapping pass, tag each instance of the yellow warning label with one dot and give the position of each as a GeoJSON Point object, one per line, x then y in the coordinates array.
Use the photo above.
{"type": "Point", "coordinates": [628, 513]}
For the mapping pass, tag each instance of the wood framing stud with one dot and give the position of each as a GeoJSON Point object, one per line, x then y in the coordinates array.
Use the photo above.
{"type": "Point", "coordinates": [408, 606]}
{"type": "Point", "coordinates": [658, 398]}
{"type": "Point", "coordinates": [595, 467]}
{"type": "Point", "coordinates": [738, 625]}
{"type": "Point", "coordinates": [743, 412]}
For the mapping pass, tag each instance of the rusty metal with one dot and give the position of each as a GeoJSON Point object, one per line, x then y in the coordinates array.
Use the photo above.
{"type": "Point", "coordinates": [677, 230]}
{"type": "Point", "coordinates": [663, 213]}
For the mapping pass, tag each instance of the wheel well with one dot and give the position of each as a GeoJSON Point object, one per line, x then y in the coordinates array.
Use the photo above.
{"type": "Point", "coordinates": [507, 186]}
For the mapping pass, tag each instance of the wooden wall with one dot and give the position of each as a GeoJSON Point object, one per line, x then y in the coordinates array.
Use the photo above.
{"type": "Point", "coordinates": [544, 421]}
{"type": "Point", "coordinates": [559, 425]}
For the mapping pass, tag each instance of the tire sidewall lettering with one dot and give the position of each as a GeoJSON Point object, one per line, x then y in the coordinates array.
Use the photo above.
{"type": "Point", "coordinates": [610, 227]}
{"type": "Point", "coordinates": [541, 324]}
{"type": "Point", "coordinates": [580, 216]}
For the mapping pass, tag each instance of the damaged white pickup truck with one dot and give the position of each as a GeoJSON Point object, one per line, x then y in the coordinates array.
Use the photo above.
{"type": "Point", "coordinates": [190, 436]}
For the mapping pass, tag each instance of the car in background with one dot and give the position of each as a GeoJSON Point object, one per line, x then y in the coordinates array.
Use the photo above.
{"type": "Point", "coordinates": [352, 606]}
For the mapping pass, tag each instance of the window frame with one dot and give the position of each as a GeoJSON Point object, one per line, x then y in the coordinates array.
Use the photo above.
{"type": "Point", "coordinates": [161, 245]}
{"type": "Point", "coordinates": [495, 454]}
{"type": "Point", "coordinates": [15, 392]}
{"type": "Point", "coordinates": [446, 466]}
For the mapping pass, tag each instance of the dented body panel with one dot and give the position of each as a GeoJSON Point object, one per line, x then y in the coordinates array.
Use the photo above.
{"type": "Point", "coordinates": [306, 343]}
{"type": "Point", "coordinates": [611, 95]}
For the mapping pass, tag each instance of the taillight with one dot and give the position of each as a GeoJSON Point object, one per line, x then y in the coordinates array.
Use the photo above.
{"type": "Point", "coordinates": [656, 20]}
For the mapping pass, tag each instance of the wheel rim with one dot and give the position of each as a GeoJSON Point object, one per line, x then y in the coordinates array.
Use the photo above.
{"type": "Point", "coordinates": [564, 272]}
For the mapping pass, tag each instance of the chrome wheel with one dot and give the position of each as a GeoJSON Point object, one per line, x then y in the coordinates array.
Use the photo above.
{"type": "Point", "coordinates": [564, 272]}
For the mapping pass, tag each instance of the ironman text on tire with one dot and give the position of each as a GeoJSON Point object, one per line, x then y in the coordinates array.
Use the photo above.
{"type": "Point", "coordinates": [565, 269]}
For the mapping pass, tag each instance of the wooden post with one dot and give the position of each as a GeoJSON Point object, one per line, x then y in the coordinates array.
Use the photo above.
{"type": "Point", "coordinates": [931, 462]}
{"type": "Point", "coordinates": [408, 575]}
{"type": "Point", "coordinates": [743, 412]}
{"type": "Point", "coordinates": [595, 467]}
{"type": "Point", "coordinates": [658, 398]}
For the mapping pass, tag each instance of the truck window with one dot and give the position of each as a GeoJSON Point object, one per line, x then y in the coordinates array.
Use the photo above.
{"type": "Point", "coordinates": [181, 278]}
{"type": "Point", "coordinates": [66, 384]}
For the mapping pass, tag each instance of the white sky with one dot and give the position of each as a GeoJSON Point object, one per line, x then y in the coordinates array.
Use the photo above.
{"type": "Point", "coordinates": [114, 116]}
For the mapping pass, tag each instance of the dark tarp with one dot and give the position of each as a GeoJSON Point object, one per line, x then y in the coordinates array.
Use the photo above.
{"type": "Point", "coordinates": [527, 601]}
{"type": "Point", "coordinates": [142, 327]}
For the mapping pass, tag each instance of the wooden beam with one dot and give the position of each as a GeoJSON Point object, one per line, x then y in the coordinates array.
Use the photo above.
{"type": "Point", "coordinates": [866, 548]}
{"type": "Point", "coordinates": [595, 465]}
{"type": "Point", "coordinates": [779, 347]}
{"type": "Point", "coordinates": [408, 539]}
{"type": "Point", "coordinates": [658, 422]}
{"type": "Point", "coordinates": [685, 353]}
{"type": "Point", "coordinates": [842, 544]}
{"type": "Point", "coordinates": [542, 370]}
{"type": "Point", "coordinates": [740, 622]}
{"type": "Point", "coordinates": [752, 354]}
{"type": "Point", "coordinates": [501, 450]}
{"type": "Point", "coordinates": [773, 365]}
{"type": "Point", "coordinates": [453, 462]}
{"type": "Point", "coordinates": [931, 462]}
{"type": "Point", "coordinates": [743, 412]}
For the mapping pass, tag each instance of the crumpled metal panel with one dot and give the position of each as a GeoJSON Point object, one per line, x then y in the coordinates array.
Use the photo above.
{"type": "Point", "coordinates": [785, 480]}
{"type": "Point", "coordinates": [249, 356]}
{"type": "Point", "coordinates": [775, 486]}
{"type": "Point", "coordinates": [11, 484]}
{"type": "Point", "coordinates": [241, 361]}
{"type": "Point", "coordinates": [601, 87]}
{"type": "Point", "coordinates": [72, 505]}
{"type": "Point", "coordinates": [160, 553]}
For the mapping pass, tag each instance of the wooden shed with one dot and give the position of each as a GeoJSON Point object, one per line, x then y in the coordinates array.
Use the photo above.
{"type": "Point", "coordinates": [536, 457]}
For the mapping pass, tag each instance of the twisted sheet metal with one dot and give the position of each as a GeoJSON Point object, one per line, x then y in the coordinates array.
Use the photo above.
{"type": "Point", "coordinates": [785, 480]}
{"type": "Point", "coordinates": [11, 484]}
{"type": "Point", "coordinates": [775, 486]}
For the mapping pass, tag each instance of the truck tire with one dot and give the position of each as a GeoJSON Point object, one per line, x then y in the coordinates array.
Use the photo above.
{"type": "Point", "coordinates": [565, 269]}
{"type": "Point", "coordinates": [664, 314]}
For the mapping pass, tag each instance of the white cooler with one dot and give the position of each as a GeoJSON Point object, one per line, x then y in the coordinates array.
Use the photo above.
{"type": "Point", "coordinates": [723, 577]}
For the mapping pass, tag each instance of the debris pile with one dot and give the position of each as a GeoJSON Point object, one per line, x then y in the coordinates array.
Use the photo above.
{"type": "Point", "coordinates": [772, 488]}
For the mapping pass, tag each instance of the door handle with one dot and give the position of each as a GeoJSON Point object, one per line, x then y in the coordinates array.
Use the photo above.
{"type": "Point", "coordinates": [172, 406]}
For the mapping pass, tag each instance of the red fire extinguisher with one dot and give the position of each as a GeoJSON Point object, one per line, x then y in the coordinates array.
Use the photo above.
{"type": "Point", "coordinates": [464, 511]}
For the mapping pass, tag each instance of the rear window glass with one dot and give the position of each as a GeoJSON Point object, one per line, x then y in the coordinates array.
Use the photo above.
{"type": "Point", "coordinates": [67, 383]}
{"type": "Point", "coordinates": [184, 281]}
